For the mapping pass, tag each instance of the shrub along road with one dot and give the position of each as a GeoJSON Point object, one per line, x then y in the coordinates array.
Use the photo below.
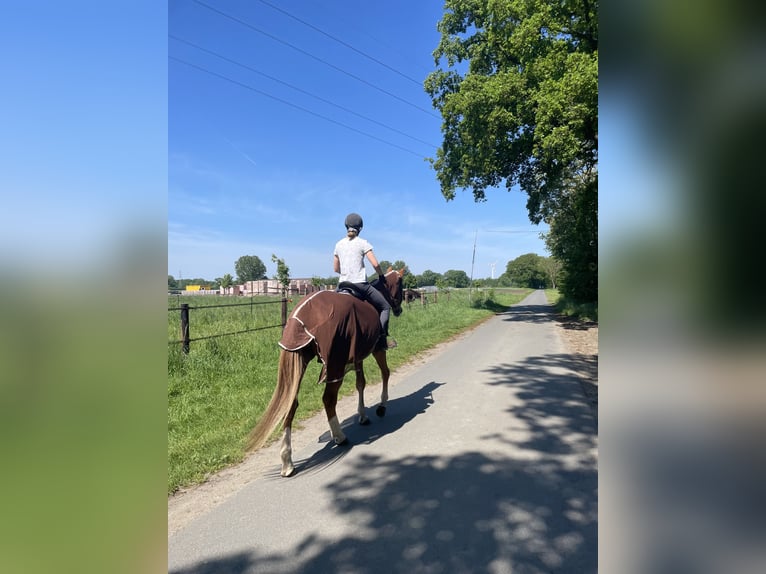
{"type": "Point", "coordinates": [486, 461]}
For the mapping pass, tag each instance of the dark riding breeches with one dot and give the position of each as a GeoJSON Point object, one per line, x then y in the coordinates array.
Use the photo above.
{"type": "Point", "coordinates": [378, 301]}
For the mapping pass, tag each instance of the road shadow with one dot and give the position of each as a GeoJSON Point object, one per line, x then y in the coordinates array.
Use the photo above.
{"type": "Point", "coordinates": [528, 313]}
{"type": "Point", "coordinates": [529, 509]}
{"type": "Point", "coordinates": [462, 514]}
{"type": "Point", "coordinates": [553, 405]}
{"type": "Point", "coordinates": [399, 412]}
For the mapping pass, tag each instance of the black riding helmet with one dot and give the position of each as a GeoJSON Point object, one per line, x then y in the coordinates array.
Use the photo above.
{"type": "Point", "coordinates": [354, 221]}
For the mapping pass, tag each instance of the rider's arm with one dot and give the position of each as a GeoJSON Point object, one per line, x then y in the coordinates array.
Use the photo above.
{"type": "Point", "coordinates": [374, 263]}
{"type": "Point", "coordinates": [336, 264]}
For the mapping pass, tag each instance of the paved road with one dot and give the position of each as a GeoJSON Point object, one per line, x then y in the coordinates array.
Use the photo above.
{"type": "Point", "coordinates": [485, 462]}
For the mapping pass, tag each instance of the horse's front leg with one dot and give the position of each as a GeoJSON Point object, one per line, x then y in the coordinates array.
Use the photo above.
{"type": "Point", "coordinates": [385, 373]}
{"type": "Point", "coordinates": [361, 383]}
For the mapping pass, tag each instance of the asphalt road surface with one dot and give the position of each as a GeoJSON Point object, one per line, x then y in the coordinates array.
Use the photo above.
{"type": "Point", "coordinates": [486, 461]}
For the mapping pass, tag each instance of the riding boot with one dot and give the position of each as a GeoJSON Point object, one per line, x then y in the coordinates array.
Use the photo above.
{"type": "Point", "coordinates": [385, 345]}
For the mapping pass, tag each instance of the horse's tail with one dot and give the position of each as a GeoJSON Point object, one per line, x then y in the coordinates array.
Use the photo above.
{"type": "Point", "coordinates": [292, 365]}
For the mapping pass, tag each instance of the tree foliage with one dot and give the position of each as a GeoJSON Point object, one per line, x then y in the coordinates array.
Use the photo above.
{"type": "Point", "coordinates": [283, 273]}
{"type": "Point", "coordinates": [397, 265]}
{"type": "Point", "coordinates": [456, 278]}
{"type": "Point", "coordinates": [249, 268]}
{"type": "Point", "coordinates": [428, 278]}
{"type": "Point", "coordinates": [573, 239]}
{"type": "Point", "coordinates": [527, 271]}
{"type": "Point", "coordinates": [552, 268]}
{"type": "Point", "coordinates": [517, 87]}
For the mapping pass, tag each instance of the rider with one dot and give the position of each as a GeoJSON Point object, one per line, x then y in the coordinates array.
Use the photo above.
{"type": "Point", "coordinates": [349, 257]}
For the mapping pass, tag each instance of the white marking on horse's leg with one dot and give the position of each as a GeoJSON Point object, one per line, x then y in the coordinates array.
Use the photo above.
{"type": "Point", "coordinates": [361, 411]}
{"type": "Point", "coordinates": [337, 434]}
{"type": "Point", "coordinates": [287, 453]}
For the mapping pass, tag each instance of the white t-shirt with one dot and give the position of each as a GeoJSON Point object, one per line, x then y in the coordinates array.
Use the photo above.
{"type": "Point", "coordinates": [351, 254]}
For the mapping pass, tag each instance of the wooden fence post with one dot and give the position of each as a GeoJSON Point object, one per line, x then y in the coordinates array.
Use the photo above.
{"type": "Point", "coordinates": [185, 327]}
{"type": "Point", "coordinates": [284, 312]}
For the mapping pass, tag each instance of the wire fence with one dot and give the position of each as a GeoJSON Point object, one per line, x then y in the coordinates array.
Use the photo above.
{"type": "Point", "coordinates": [185, 321]}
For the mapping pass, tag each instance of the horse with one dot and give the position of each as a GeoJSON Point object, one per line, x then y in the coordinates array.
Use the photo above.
{"type": "Point", "coordinates": [341, 330]}
{"type": "Point", "coordinates": [410, 295]}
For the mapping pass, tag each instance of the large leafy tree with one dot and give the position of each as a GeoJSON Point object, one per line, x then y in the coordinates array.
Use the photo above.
{"type": "Point", "coordinates": [428, 278]}
{"type": "Point", "coordinates": [517, 87]}
{"type": "Point", "coordinates": [527, 271]}
{"type": "Point", "coordinates": [456, 278]}
{"type": "Point", "coordinates": [249, 268]}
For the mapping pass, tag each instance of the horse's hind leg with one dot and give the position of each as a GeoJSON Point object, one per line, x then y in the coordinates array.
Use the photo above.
{"type": "Point", "coordinates": [330, 400]}
{"type": "Point", "coordinates": [385, 373]}
{"type": "Point", "coordinates": [301, 360]}
{"type": "Point", "coordinates": [286, 452]}
{"type": "Point", "coordinates": [361, 383]}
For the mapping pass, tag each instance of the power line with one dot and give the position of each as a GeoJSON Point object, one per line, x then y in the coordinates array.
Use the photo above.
{"type": "Point", "coordinates": [346, 44]}
{"type": "Point", "coordinates": [310, 55]}
{"type": "Point", "coordinates": [321, 99]}
{"type": "Point", "coordinates": [510, 231]}
{"type": "Point", "coordinates": [251, 88]}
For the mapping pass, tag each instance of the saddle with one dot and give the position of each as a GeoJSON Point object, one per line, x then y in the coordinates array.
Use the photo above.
{"type": "Point", "coordinates": [350, 289]}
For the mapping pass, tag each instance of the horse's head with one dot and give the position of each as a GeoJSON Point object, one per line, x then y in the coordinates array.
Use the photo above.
{"type": "Point", "coordinates": [392, 289]}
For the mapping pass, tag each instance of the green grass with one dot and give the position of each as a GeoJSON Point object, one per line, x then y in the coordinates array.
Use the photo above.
{"type": "Point", "coordinates": [582, 311]}
{"type": "Point", "coordinates": [217, 392]}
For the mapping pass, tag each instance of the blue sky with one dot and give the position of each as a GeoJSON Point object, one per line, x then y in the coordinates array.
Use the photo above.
{"type": "Point", "coordinates": [277, 130]}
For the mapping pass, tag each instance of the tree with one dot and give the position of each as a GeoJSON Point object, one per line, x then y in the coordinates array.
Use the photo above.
{"type": "Point", "coordinates": [428, 278]}
{"type": "Point", "coordinates": [227, 280]}
{"type": "Point", "coordinates": [283, 273]}
{"type": "Point", "coordinates": [172, 283]}
{"type": "Point", "coordinates": [524, 111]}
{"type": "Point", "coordinates": [552, 267]}
{"type": "Point", "coordinates": [526, 271]}
{"type": "Point", "coordinates": [573, 239]}
{"type": "Point", "coordinates": [249, 268]}
{"type": "Point", "coordinates": [455, 278]}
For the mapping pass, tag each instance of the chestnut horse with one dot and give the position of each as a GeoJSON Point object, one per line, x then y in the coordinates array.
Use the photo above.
{"type": "Point", "coordinates": [342, 331]}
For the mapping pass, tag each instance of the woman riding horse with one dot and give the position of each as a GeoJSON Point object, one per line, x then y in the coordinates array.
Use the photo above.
{"type": "Point", "coordinates": [348, 260]}
{"type": "Point", "coordinates": [342, 331]}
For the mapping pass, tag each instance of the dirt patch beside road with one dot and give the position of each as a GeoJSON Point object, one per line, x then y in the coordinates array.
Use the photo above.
{"type": "Point", "coordinates": [581, 339]}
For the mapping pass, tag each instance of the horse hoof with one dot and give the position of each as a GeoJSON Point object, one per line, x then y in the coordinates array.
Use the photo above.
{"type": "Point", "coordinates": [343, 442]}
{"type": "Point", "coordinates": [380, 411]}
{"type": "Point", "coordinates": [288, 471]}
{"type": "Point", "coordinates": [364, 422]}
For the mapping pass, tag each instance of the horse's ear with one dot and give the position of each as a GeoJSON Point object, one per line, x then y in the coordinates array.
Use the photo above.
{"type": "Point", "coordinates": [388, 270]}
{"type": "Point", "coordinates": [401, 271]}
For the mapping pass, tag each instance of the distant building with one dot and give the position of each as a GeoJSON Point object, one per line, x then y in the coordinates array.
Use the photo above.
{"type": "Point", "coordinates": [298, 286]}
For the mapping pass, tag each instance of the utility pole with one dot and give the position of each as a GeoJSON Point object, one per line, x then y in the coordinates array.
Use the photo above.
{"type": "Point", "coordinates": [473, 258]}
